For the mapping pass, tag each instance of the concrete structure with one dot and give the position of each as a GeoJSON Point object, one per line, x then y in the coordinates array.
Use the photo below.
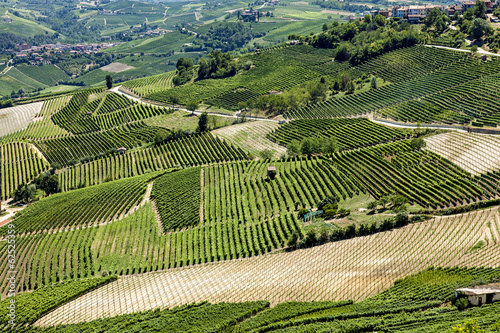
{"type": "Point", "coordinates": [271, 172]}
{"type": "Point", "coordinates": [480, 295]}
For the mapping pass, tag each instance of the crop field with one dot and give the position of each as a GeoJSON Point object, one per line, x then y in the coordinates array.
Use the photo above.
{"type": "Point", "coordinates": [151, 84]}
{"type": "Point", "coordinates": [18, 117]}
{"type": "Point", "coordinates": [116, 67]}
{"type": "Point", "coordinates": [422, 176]}
{"type": "Point", "coordinates": [48, 74]}
{"type": "Point", "coordinates": [251, 137]}
{"type": "Point", "coordinates": [98, 205]}
{"type": "Point", "coordinates": [466, 72]}
{"type": "Point", "coordinates": [351, 133]}
{"type": "Point", "coordinates": [189, 151]}
{"type": "Point", "coordinates": [474, 153]}
{"type": "Point", "coordinates": [299, 64]}
{"type": "Point", "coordinates": [19, 163]}
{"type": "Point", "coordinates": [240, 191]}
{"type": "Point", "coordinates": [351, 269]}
{"type": "Point", "coordinates": [41, 126]}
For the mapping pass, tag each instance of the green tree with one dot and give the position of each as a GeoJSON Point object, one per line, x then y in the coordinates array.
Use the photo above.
{"type": "Point", "coordinates": [480, 9]}
{"type": "Point", "coordinates": [203, 69]}
{"type": "Point", "coordinates": [479, 27]}
{"type": "Point", "coordinates": [330, 145]}
{"type": "Point", "coordinates": [203, 122]}
{"type": "Point", "coordinates": [160, 136]}
{"type": "Point", "coordinates": [380, 20]}
{"type": "Point", "coordinates": [372, 205]}
{"type": "Point", "coordinates": [293, 148]}
{"type": "Point", "coordinates": [368, 18]}
{"type": "Point", "coordinates": [266, 154]}
{"type": "Point", "coordinates": [192, 106]}
{"type": "Point", "coordinates": [374, 83]}
{"type": "Point", "coordinates": [417, 143]}
{"type": "Point", "coordinates": [109, 81]}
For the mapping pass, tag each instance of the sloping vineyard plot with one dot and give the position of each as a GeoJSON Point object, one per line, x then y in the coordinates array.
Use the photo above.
{"type": "Point", "coordinates": [375, 99]}
{"type": "Point", "coordinates": [351, 269]}
{"type": "Point", "coordinates": [177, 196]}
{"type": "Point", "coordinates": [241, 191]}
{"type": "Point", "coordinates": [422, 176]}
{"type": "Point", "coordinates": [91, 111]}
{"type": "Point", "coordinates": [135, 244]}
{"type": "Point", "coordinates": [407, 63]}
{"type": "Point", "coordinates": [200, 317]}
{"type": "Point", "coordinates": [188, 151]}
{"type": "Point", "coordinates": [19, 163]}
{"type": "Point", "coordinates": [83, 207]}
{"type": "Point", "coordinates": [18, 117]}
{"type": "Point", "coordinates": [75, 147]}
{"type": "Point", "coordinates": [151, 84]}
{"type": "Point", "coordinates": [350, 132]}
{"type": "Point", "coordinates": [475, 101]}
{"type": "Point", "coordinates": [33, 305]}
{"type": "Point", "coordinates": [474, 153]}
{"type": "Point", "coordinates": [251, 137]}
{"type": "Point", "coordinates": [298, 64]}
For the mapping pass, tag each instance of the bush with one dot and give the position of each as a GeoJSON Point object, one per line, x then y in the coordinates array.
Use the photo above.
{"type": "Point", "coordinates": [461, 303]}
{"type": "Point", "coordinates": [302, 212]}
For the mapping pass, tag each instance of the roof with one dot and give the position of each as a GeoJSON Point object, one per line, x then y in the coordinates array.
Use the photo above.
{"type": "Point", "coordinates": [271, 168]}
{"type": "Point", "coordinates": [491, 288]}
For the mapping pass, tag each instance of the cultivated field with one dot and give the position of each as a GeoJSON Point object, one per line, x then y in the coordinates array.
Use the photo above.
{"type": "Point", "coordinates": [350, 269]}
{"type": "Point", "coordinates": [116, 67]}
{"type": "Point", "coordinates": [15, 118]}
{"type": "Point", "coordinates": [474, 153]}
{"type": "Point", "coordinates": [251, 136]}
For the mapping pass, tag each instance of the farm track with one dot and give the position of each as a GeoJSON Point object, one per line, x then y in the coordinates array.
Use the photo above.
{"type": "Point", "coordinates": [351, 269]}
{"type": "Point", "coordinates": [140, 100]}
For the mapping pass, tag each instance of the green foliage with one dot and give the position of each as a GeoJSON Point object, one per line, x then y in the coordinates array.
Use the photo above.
{"type": "Point", "coordinates": [177, 196]}
{"type": "Point", "coordinates": [83, 207]}
{"type": "Point", "coordinates": [479, 27]}
{"type": "Point", "coordinates": [109, 81]}
{"type": "Point", "coordinates": [31, 306]}
{"type": "Point", "coordinates": [203, 122]}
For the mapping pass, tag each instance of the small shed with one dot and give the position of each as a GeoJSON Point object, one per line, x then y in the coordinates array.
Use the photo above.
{"type": "Point", "coordinates": [480, 295]}
{"type": "Point", "coordinates": [271, 172]}
{"type": "Point", "coordinates": [89, 113]}
{"type": "Point", "coordinates": [121, 150]}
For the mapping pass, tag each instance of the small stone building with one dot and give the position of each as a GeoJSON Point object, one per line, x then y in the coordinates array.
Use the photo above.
{"type": "Point", "coordinates": [121, 150]}
{"type": "Point", "coordinates": [480, 295]}
{"type": "Point", "coordinates": [271, 172]}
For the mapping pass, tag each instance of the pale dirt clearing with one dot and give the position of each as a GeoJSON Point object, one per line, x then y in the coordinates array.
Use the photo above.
{"type": "Point", "coordinates": [16, 118]}
{"type": "Point", "coordinates": [350, 269]}
{"type": "Point", "coordinates": [116, 67]}
{"type": "Point", "coordinates": [327, 11]}
{"type": "Point", "coordinates": [251, 137]}
{"type": "Point", "coordinates": [472, 152]}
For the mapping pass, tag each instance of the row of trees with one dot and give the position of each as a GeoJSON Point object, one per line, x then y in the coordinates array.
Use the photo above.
{"type": "Point", "coordinates": [47, 182]}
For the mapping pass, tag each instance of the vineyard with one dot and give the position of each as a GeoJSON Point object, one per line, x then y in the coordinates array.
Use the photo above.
{"type": "Point", "coordinates": [298, 64]}
{"type": "Point", "coordinates": [475, 153]}
{"type": "Point", "coordinates": [473, 101]}
{"type": "Point", "coordinates": [188, 151]}
{"type": "Point", "coordinates": [19, 164]}
{"type": "Point", "coordinates": [359, 267]}
{"type": "Point", "coordinates": [17, 117]}
{"type": "Point", "coordinates": [468, 71]}
{"type": "Point", "coordinates": [241, 192]}
{"type": "Point", "coordinates": [421, 175]}
{"type": "Point", "coordinates": [151, 84]}
{"type": "Point", "coordinates": [96, 205]}
{"type": "Point", "coordinates": [351, 133]}
{"type": "Point", "coordinates": [251, 137]}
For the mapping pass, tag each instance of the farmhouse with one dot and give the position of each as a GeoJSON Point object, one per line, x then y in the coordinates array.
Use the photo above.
{"type": "Point", "coordinates": [480, 295]}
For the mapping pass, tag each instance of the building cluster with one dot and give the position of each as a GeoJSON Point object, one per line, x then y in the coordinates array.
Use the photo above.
{"type": "Point", "coordinates": [43, 54]}
{"type": "Point", "coordinates": [416, 13]}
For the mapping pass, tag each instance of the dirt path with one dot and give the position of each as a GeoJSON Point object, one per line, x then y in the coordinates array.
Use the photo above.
{"type": "Point", "coordinates": [236, 115]}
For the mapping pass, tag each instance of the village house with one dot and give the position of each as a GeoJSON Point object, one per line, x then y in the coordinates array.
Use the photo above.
{"type": "Point", "coordinates": [480, 295]}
